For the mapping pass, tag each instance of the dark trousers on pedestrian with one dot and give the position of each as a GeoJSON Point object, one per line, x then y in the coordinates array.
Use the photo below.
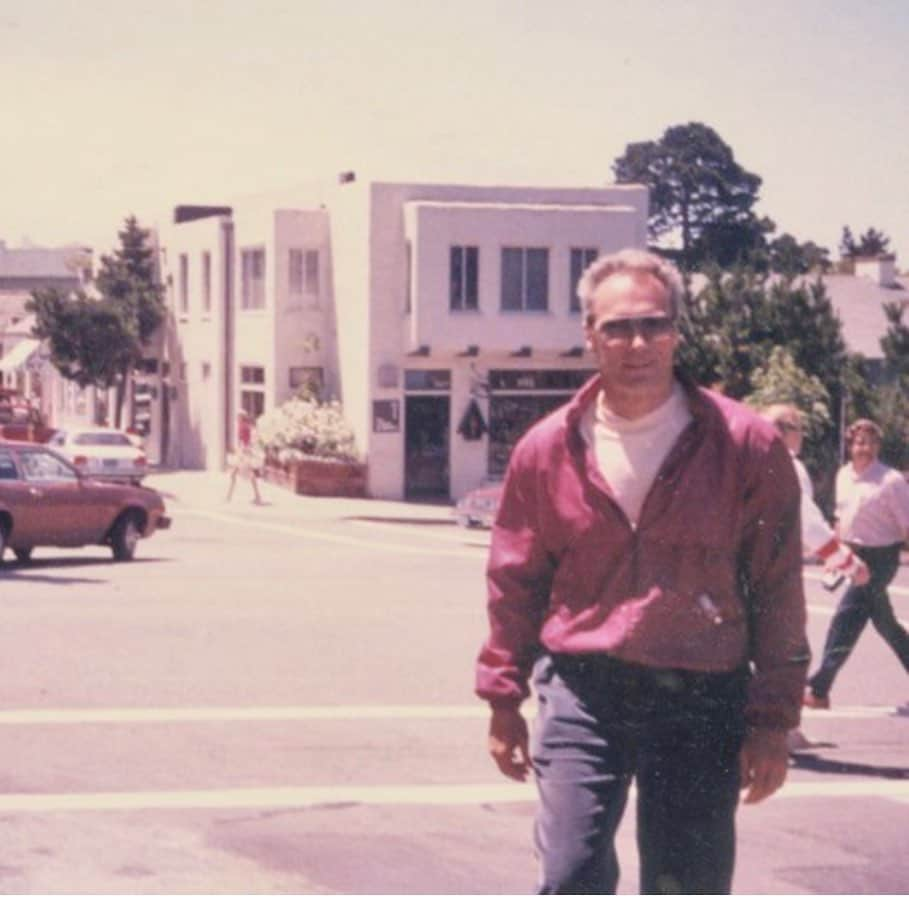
{"type": "Point", "coordinates": [602, 723]}
{"type": "Point", "coordinates": [855, 608]}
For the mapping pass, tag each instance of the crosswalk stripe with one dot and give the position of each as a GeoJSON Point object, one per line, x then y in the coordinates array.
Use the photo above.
{"type": "Point", "coordinates": [136, 715]}
{"type": "Point", "coordinates": [315, 796]}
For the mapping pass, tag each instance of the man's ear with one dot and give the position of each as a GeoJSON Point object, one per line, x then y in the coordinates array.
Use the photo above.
{"type": "Point", "coordinates": [588, 336]}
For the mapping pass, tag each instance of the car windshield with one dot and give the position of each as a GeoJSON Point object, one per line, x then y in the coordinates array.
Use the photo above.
{"type": "Point", "coordinates": [100, 438]}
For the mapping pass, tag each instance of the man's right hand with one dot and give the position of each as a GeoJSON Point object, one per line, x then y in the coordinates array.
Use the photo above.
{"type": "Point", "coordinates": [508, 742]}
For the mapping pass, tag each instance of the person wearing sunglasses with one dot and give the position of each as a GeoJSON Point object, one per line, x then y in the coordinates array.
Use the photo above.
{"type": "Point", "coordinates": [645, 575]}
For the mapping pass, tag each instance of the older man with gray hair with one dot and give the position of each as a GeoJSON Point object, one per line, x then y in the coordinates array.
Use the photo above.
{"type": "Point", "coordinates": [645, 573]}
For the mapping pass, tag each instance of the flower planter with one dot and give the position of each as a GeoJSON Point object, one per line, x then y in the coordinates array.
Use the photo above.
{"type": "Point", "coordinates": [318, 477]}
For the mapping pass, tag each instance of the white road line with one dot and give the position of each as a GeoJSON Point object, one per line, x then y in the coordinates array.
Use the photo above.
{"type": "Point", "coordinates": [230, 714]}
{"type": "Point", "coordinates": [332, 537]}
{"type": "Point", "coordinates": [314, 796]}
{"type": "Point", "coordinates": [138, 715]}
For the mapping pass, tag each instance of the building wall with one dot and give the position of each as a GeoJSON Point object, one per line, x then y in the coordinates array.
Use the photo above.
{"type": "Point", "coordinates": [429, 220]}
{"type": "Point", "coordinates": [380, 327]}
{"type": "Point", "coordinates": [195, 346]}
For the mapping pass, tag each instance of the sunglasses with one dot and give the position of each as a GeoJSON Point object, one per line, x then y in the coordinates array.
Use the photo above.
{"type": "Point", "coordinates": [624, 331]}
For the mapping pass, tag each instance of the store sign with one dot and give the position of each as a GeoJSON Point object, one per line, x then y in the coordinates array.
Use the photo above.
{"type": "Point", "coordinates": [538, 379]}
{"type": "Point", "coordinates": [427, 380]}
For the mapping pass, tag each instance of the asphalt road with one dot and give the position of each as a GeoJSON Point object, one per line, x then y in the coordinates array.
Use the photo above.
{"type": "Point", "coordinates": [278, 700]}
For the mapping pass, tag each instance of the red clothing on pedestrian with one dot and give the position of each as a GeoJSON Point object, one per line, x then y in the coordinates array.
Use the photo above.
{"type": "Point", "coordinates": [709, 579]}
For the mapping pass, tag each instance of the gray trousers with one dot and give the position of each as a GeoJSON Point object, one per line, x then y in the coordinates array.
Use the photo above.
{"type": "Point", "coordinates": [602, 723]}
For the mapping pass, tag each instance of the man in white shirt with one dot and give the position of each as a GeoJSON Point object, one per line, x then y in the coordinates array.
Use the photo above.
{"type": "Point", "coordinates": [872, 509]}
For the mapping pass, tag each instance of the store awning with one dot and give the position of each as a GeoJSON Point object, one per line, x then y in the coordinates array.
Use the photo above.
{"type": "Point", "coordinates": [19, 355]}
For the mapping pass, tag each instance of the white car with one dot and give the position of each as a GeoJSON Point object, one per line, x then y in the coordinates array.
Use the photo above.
{"type": "Point", "coordinates": [103, 454]}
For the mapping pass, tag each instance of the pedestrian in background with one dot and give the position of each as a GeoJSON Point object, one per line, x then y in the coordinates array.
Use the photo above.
{"type": "Point", "coordinates": [819, 540]}
{"type": "Point", "coordinates": [645, 570]}
{"type": "Point", "coordinates": [244, 460]}
{"type": "Point", "coordinates": [872, 515]}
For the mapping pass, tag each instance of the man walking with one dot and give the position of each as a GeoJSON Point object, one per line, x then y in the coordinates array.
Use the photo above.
{"type": "Point", "coordinates": [819, 539]}
{"type": "Point", "coordinates": [645, 567]}
{"type": "Point", "coordinates": [872, 511]}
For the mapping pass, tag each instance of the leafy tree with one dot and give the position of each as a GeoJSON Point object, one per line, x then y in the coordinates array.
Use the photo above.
{"type": "Point", "coordinates": [786, 256]}
{"type": "Point", "coordinates": [871, 243]}
{"type": "Point", "coordinates": [891, 409]}
{"type": "Point", "coordinates": [98, 341]}
{"type": "Point", "coordinates": [89, 343]}
{"type": "Point", "coordinates": [895, 344]}
{"type": "Point", "coordinates": [738, 317]}
{"type": "Point", "coordinates": [781, 381]}
{"type": "Point", "coordinates": [736, 322]}
{"type": "Point", "coordinates": [695, 184]}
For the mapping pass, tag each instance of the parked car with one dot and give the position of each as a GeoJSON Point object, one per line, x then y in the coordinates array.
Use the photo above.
{"type": "Point", "coordinates": [46, 501]}
{"type": "Point", "coordinates": [104, 454]}
{"type": "Point", "coordinates": [479, 507]}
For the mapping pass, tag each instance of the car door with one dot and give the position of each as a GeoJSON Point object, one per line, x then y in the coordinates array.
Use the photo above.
{"type": "Point", "coordinates": [66, 516]}
{"type": "Point", "coordinates": [16, 498]}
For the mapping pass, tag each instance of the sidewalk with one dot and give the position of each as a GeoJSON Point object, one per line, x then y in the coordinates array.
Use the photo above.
{"type": "Point", "coordinates": [207, 490]}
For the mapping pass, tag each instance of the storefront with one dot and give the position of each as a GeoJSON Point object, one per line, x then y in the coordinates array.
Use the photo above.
{"type": "Point", "coordinates": [520, 397]}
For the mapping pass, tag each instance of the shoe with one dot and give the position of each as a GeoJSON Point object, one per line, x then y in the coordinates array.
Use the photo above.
{"type": "Point", "coordinates": [815, 701]}
{"type": "Point", "coordinates": [796, 740]}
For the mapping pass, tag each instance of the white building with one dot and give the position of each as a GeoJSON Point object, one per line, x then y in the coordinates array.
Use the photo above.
{"type": "Point", "coordinates": [443, 317]}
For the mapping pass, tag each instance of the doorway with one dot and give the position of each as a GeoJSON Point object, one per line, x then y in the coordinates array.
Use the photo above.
{"type": "Point", "coordinates": [426, 439]}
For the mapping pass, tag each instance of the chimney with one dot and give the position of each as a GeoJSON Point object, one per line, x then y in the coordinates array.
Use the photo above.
{"type": "Point", "coordinates": [880, 269]}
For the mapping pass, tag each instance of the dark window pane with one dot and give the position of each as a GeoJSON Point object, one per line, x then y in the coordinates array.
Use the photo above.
{"type": "Point", "coordinates": [456, 272]}
{"type": "Point", "coordinates": [471, 277]}
{"type": "Point", "coordinates": [537, 279]}
{"type": "Point", "coordinates": [512, 278]}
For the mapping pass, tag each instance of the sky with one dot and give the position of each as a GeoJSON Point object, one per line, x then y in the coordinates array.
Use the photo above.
{"type": "Point", "coordinates": [118, 107]}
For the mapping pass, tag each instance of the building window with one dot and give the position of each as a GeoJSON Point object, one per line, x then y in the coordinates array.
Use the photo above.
{"type": "Point", "coordinates": [308, 379]}
{"type": "Point", "coordinates": [303, 272]}
{"type": "Point", "coordinates": [184, 283]}
{"type": "Point", "coordinates": [206, 282]}
{"type": "Point", "coordinates": [464, 270]}
{"type": "Point", "coordinates": [206, 371]}
{"type": "Point", "coordinates": [581, 257]}
{"type": "Point", "coordinates": [252, 375]}
{"type": "Point", "coordinates": [525, 279]}
{"type": "Point", "coordinates": [252, 279]}
{"type": "Point", "coordinates": [311, 272]}
{"type": "Point", "coordinates": [253, 402]}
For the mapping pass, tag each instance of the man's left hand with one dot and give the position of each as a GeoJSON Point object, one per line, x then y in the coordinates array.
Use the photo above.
{"type": "Point", "coordinates": [763, 762]}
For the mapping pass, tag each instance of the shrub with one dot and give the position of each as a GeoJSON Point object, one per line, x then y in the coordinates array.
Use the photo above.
{"type": "Point", "coordinates": [306, 428]}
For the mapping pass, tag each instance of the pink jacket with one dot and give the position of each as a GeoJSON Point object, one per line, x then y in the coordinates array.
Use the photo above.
{"type": "Point", "coordinates": [709, 580]}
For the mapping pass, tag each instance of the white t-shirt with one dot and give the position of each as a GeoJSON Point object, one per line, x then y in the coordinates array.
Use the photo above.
{"type": "Point", "coordinates": [630, 453]}
{"type": "Point", "coordinates": [872, 507]}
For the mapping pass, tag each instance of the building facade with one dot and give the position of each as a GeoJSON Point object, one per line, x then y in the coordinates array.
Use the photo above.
{"type": "Point", "coordinates": [443, 317]}
{"type": "Point", "coordinates": [23, 366]}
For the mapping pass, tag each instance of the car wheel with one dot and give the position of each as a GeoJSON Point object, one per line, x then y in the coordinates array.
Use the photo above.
{"type": "Point", "coordinates": [23, 554]}
{"type": "Point", "coordinates": [124, 537]}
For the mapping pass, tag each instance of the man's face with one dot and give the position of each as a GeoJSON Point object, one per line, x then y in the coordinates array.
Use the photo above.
{"type": "Point", "coordinates": [789, 423]}
{"type": "Point", "coordinates": [863, 449]}
{"type": "Point", "coordinates": [633, 336]}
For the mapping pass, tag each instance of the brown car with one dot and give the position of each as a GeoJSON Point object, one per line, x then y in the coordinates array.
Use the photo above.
{"type": "Point", "coordinates": [45, 501]}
